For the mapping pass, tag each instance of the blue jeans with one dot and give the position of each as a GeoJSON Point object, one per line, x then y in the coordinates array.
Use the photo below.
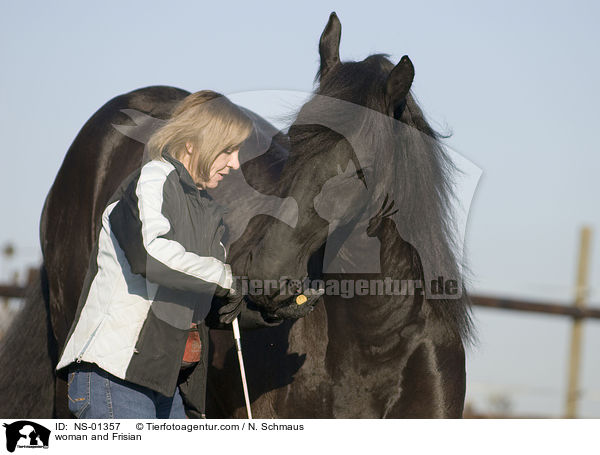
{"type": "Point", "coordinates": [96, 394]}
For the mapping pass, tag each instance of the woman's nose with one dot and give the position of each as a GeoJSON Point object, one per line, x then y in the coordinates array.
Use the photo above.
{"type": "Point", "coordinates": [234, 160]}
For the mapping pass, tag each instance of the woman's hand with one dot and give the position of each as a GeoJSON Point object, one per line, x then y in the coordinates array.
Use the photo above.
{"type": "Point", "coordinates": [299, 305]}
{"type": "Point", "coordinates": [296, 307]}
{"type": "Point", "coordinates": [235, 299]}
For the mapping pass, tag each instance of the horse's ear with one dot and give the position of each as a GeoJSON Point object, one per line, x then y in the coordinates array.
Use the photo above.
{"type": "Point", "coordinates": [398, 84]}
{"type": "Point", "coordinates": [329, 45]}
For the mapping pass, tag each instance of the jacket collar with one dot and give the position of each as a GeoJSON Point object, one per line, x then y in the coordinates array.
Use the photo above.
{"type": "Point", "coordinates": [184, 176]}
{"type": "Point", "coordinates": [189, 185]}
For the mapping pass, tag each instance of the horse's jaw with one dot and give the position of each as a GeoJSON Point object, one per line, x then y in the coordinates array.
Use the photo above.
{"type": "Point", "coordinates": [276, 270]}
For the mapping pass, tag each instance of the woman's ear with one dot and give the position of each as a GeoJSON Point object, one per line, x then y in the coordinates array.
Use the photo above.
{"type": "Point", "coordinates": [189, 147]}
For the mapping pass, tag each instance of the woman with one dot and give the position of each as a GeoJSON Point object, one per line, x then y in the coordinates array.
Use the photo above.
{"type": "Point", "coordinates": [137, 346]}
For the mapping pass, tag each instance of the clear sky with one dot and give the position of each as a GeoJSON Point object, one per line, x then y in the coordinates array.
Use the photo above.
{"type": "Point", "coordinates": [514, 81]}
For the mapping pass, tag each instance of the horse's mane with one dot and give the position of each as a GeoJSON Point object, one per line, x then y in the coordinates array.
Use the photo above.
{"type": "Point", "coordinates": [406, 161]}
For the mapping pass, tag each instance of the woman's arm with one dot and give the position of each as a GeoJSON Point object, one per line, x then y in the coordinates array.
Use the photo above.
{"type": "Point", "coordinates": [142, 225]}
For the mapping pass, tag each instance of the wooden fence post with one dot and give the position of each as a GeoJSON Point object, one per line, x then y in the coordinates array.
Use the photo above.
{"type": "Point", "coordinates": [576, 333]}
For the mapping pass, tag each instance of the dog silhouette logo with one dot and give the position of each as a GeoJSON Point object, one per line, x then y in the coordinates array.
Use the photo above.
{"type": "Point", "coordinates": [26, 434]}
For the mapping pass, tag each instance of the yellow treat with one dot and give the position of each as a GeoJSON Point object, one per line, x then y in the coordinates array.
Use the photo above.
{"type": "Point", "coordinates": [301, 299]}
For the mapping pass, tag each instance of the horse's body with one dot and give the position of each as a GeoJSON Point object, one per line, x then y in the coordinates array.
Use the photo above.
{"type": "Point", "coordinates": [370, 356]}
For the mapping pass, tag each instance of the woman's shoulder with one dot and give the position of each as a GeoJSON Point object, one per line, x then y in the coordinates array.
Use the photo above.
{"type": "Point", "coordinates": [157, 167]}
{"type": "Point", "coordinates": [152, 177]}
{"type": "Point", "coordinates": [157, 174]}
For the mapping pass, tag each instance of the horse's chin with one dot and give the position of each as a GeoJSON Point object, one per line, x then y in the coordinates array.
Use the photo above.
{"type": "Point", "coordinates": [282, 297]}
{"type": "Point", "coordinates": [269, 303]}
{"type": "Point", "coordinates": [269, 297]}
{"type": "Point", "coordinates": [265, 304]}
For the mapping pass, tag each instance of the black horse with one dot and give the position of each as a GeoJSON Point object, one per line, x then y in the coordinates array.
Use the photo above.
{"type": "Point", "coordinates": [358, 150]}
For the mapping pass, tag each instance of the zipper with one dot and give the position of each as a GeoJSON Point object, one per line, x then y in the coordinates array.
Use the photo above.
{"type": "Point", "coordinates": [219, 235]}
{"type": "Point", "coordinates": [85, 346]}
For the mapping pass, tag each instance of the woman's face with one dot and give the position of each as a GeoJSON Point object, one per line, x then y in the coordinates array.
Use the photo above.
{"type": "Point", "coordinates": [224, 162]}
{"type": "Point", "coordinates": [221, 167]}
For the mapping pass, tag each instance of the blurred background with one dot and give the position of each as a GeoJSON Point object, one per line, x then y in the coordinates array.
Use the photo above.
{"type": "Point", "coordinates": [515, 82]}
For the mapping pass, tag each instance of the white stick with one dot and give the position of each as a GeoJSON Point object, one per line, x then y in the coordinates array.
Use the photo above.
{"type": "Point", "coordinates": [238, 347]}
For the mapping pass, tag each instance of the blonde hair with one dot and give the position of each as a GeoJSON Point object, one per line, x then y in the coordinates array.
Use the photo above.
{"type": "Point", "coordinates": [208, 121]}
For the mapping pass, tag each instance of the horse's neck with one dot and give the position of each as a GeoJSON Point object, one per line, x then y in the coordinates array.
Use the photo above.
{"type": "Point", "coordinates": [388, 313]}
{"type": "Point", "coordinates": [397, 257]}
